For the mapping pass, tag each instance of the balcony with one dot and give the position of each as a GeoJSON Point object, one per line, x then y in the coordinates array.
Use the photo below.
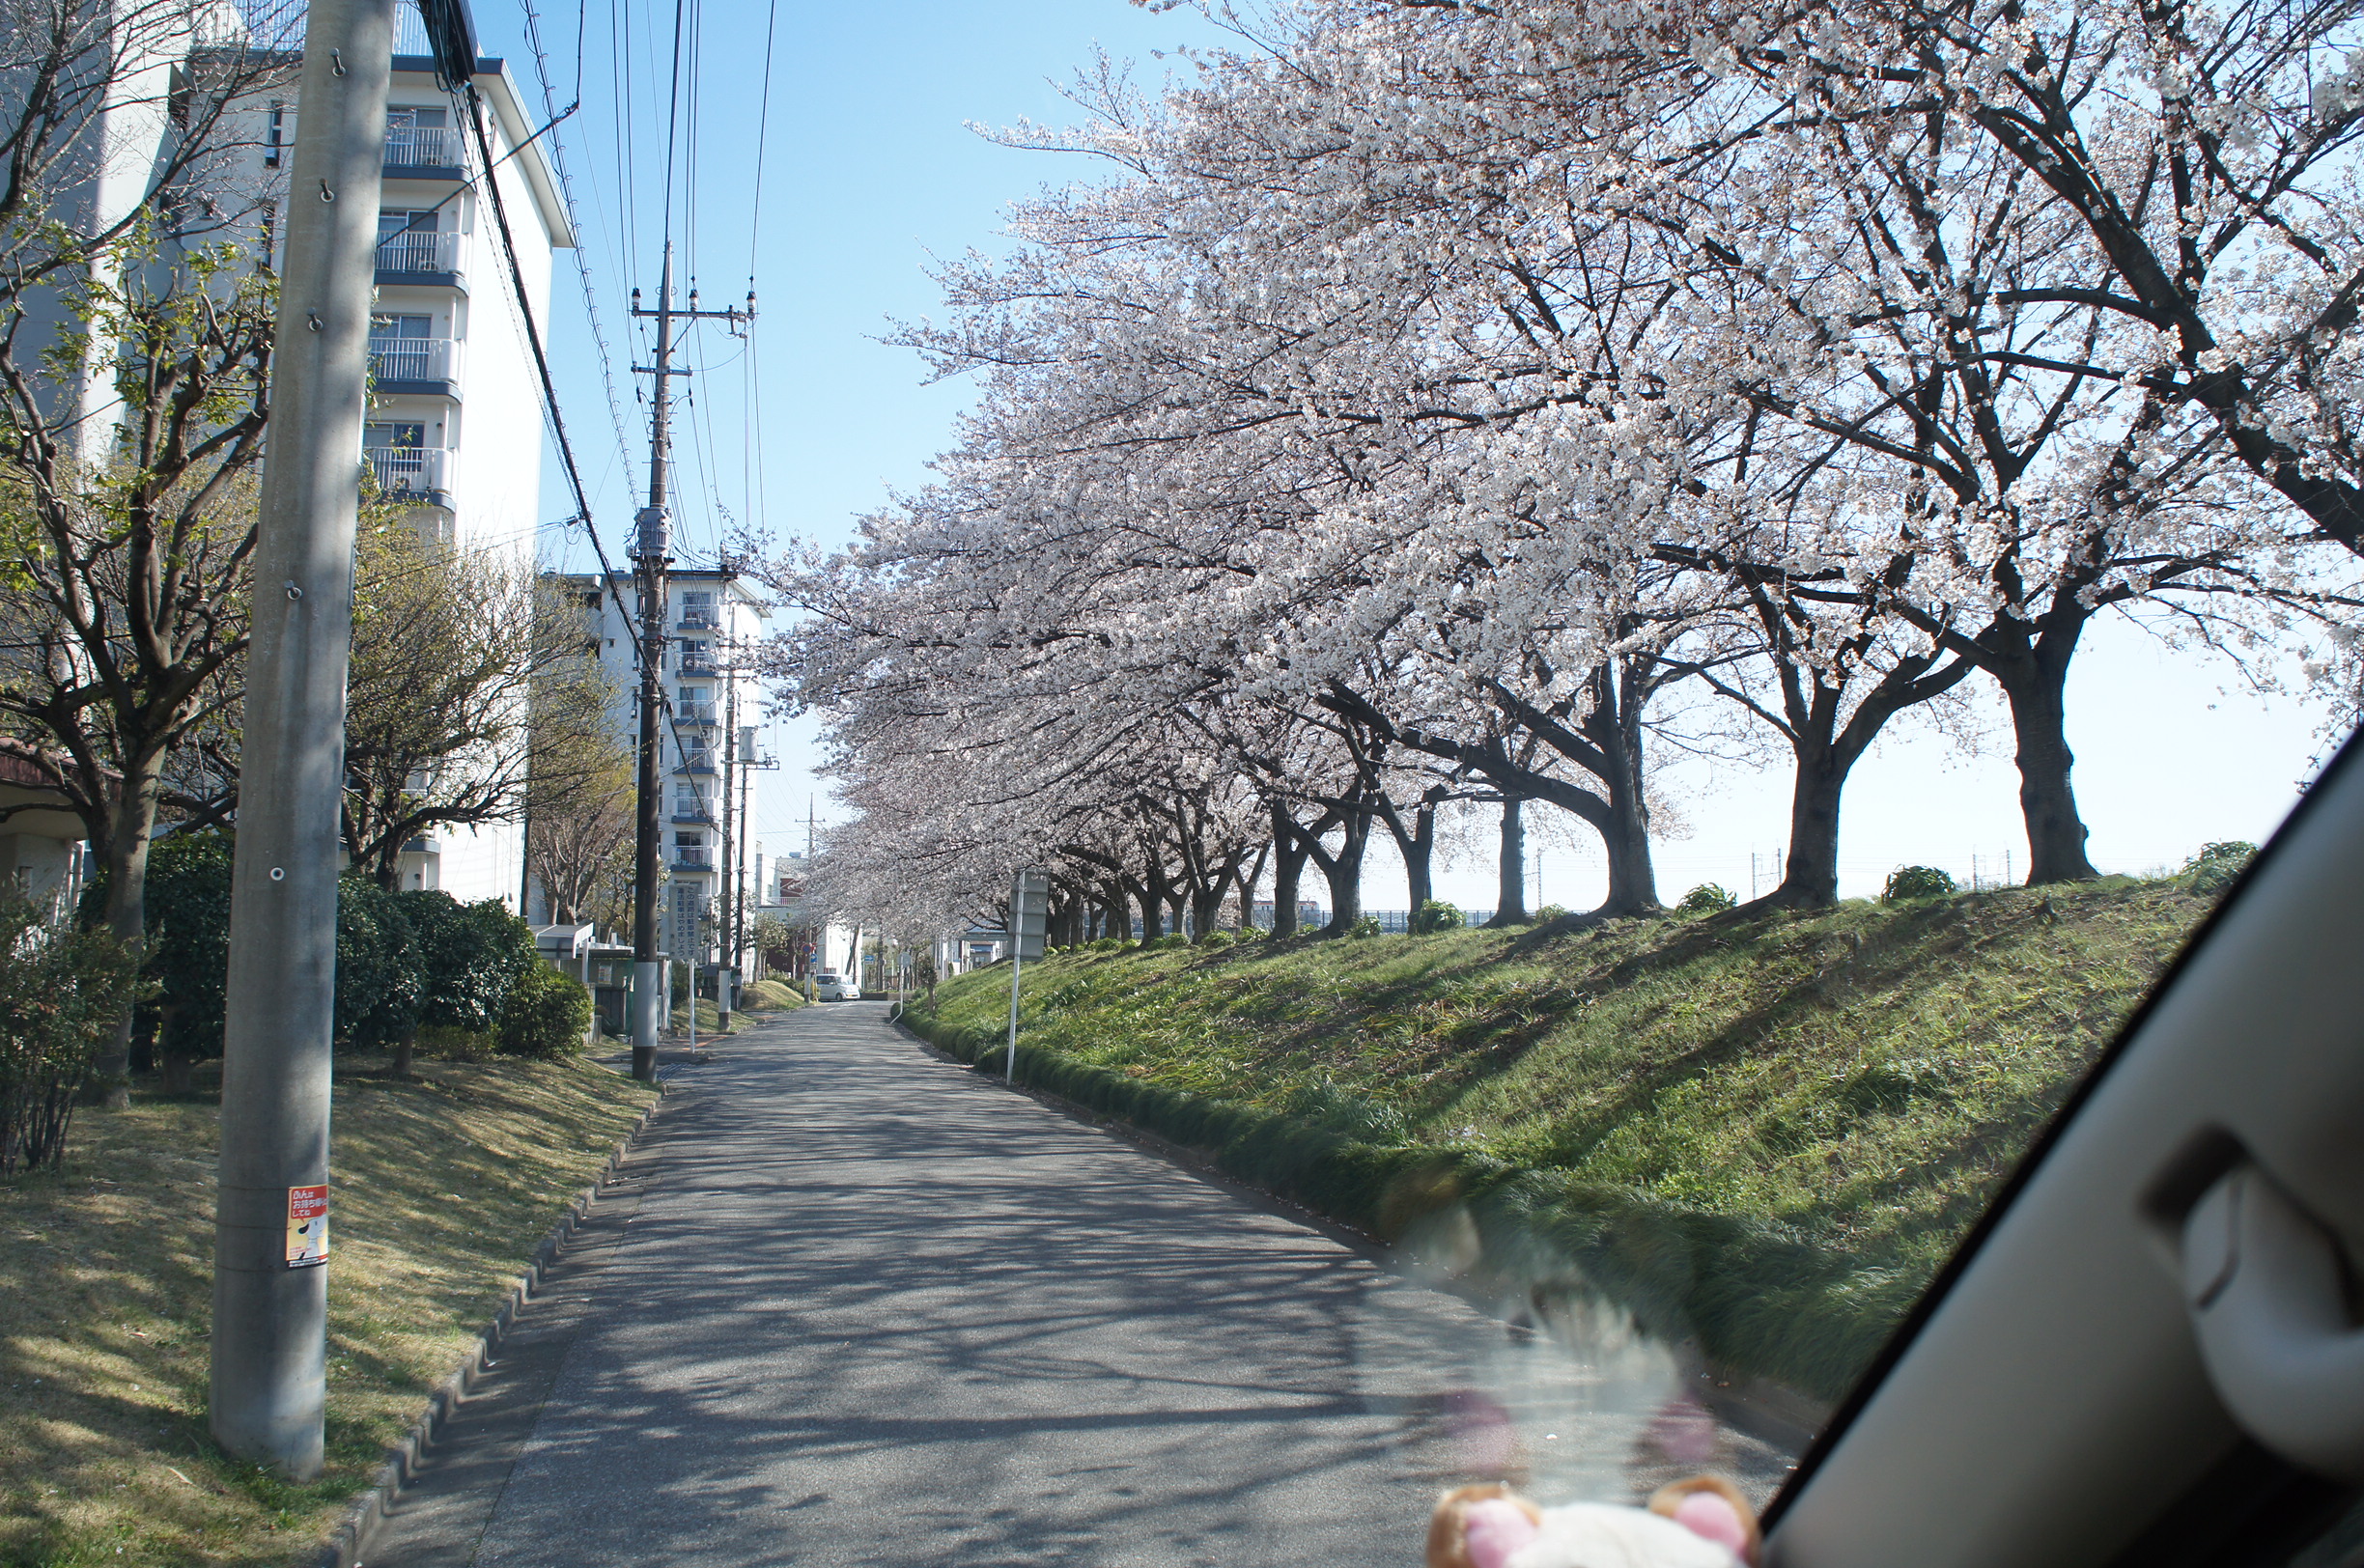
{"type": "Point", "coordinates": [420, 473]}
{"type": "Point", "coordinates": [695, 712]}
{"type": "Point", "coordinates": [415, 367]}
{"type": "Point", "coordinates": [698, 860]}
{"type": "Point", "coordinates": [429, 257]}
{"type": "Point", "coordinates": [696, 761]}
{"type": "Point", "coordinates": [699, 621]}
{"type": "Point", "coordinates": [698, 665]}
{"type": "Point", "coordinates": [687, 816]}
{"type": "Point", "coordinates": [424, 153]}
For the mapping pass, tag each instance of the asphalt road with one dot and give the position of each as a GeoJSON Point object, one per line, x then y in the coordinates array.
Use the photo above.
{"type": "Point", "coordinates": [849, 1303]}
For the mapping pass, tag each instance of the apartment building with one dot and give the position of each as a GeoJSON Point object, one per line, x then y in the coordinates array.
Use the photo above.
{"type": "Point", "coordinates": [455, 423]}
{"type": "Point", "coordinates": [713, 620]}
{"type": "Point", "coordinates": [453, 431]}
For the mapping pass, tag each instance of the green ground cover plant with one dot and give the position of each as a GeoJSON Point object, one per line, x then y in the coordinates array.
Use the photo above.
{"type": "Point", "coordinates": [1763, 1132]}
{"type": "Point", "coordinates": [444, 1183]}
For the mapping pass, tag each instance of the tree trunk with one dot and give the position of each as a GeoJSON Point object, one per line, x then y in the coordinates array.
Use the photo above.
{"type": "Point", "coordinates": [1288, 870]}
{"type": "Point", "coordinates": [1615, 726]}
{"type": "Point", "coordinates": [1415, 847]}
{"type": "Point", "coordinates": [1343, 871]}
{"type": "Point", "coordinates": [2035, 686]}
{"type": "Point", "coordinates": [110, 1080]}
{"type": "Point", "coordinates": [405, 1052]}
{"type": "Point", "coordinates": [180, 1072]}
{"type": "Point", "coordinates": [1153, 909]}
{"type": "Point", "coordinates": [1206, 905]}
{"type": "Point", "coordinates": [1510, 866]}
{"type": "Point", "coordinates": [1810, 880]}
{"type": "Point", "coordinates": [1248, 879]}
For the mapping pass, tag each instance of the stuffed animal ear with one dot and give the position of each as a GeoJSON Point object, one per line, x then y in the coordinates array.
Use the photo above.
{"type": "Point", "coordinates": [1480, 1526]}
{"type": "Point", "coordinates": [1712, 1507]}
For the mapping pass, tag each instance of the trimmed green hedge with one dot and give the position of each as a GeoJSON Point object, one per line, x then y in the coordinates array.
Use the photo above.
{"type": "Point", "coordinates": [1753, 1297]}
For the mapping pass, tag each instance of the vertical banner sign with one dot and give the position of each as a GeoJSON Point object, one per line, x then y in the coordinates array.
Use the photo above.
{"type": "Point", "coordinates": [307, 1227]}
{"type": "Point", "coordinates": [1030, 920]}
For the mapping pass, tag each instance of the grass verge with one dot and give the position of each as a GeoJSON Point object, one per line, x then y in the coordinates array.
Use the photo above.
{"type": "Point", "coordinates": [1761, 1135]}
{"type": "Point", "coordinates": [444, 1185]}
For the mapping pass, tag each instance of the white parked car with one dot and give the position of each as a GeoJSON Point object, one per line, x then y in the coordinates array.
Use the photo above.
{"type": "Point", "coordinates": [829, 987]}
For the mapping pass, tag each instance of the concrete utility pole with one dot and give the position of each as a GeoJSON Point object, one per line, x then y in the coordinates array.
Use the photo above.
{"type": "Point", "coordinates": [653, 552]}
{"type": "Point", "coordinates": [748, 763]}
{"type": "Point", "coordinates": [723, 872]}
{"type": "Point", "coordinates": [271, 1280]}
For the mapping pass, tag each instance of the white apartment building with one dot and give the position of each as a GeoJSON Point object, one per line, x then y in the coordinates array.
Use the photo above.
{"type": "Point", "coordinates": [454, 429]}
{"type": "Point", "coordinates": [455, 424]}
{"type": "Point", "coordinates": [713, 620]}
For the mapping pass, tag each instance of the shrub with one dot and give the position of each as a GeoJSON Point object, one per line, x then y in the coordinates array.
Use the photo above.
{"type": "Point", "coordinates": [61, 993]}
{"type": "Point", "coordinates": [187, 955]}
{"type": "Point", "coordinates": [1172, 938]}
{"type": "Point", "coordinates": [379, 983]}
{"type": "Point", "coordinates": [546, 1014]}
{"type": "Point", "coordinates": [2216, 867]}
{"type": "Point", "coordinates": [1551, 911]}
{"type": "Point", "coordinates": [1711, 898]}
{"type": "Point", "coordinates": [1435, 914]}
{"type": "Point", "coordinates": [469, 956]}
{"type": "Point", "coordinates": [1215, 939]}
{"type": "Point", "coordinates": [1916, 881]}
{"type": "Point", "coordinates": [1366, 926]}
{"type": "Point", "coordinates": [1106, 944]}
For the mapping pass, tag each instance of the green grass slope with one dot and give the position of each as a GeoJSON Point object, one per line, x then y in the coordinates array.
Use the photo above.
{"type": "Point", "coordinates": [1764, 1133]}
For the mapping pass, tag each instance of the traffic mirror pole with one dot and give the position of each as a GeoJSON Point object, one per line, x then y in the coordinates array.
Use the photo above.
{"type": "Point", "coordinates": [270, 1279]}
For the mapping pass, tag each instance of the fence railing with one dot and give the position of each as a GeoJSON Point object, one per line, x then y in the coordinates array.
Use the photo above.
{"type": "Point", "coordinates": [410, 469]}
{"type": "Point", "coordinates": [414, 360]}
{"type": "Point", "coordinates": [419, 250]}
{"type": "Point", "coordinates": [422, 147]}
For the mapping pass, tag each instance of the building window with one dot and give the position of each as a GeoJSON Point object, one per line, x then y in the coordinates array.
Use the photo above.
{"type": "Point", "coordinates": [274, 136]}
{"type": "Point", "coordinates": [396, 433]}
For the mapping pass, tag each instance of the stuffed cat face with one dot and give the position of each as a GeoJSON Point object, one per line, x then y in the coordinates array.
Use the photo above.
{"type": "Point", "coordinates": [1702, 1522]}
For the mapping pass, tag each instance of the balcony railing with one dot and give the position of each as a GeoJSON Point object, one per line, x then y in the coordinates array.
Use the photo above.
{"type": "Point", "coordinates": [414, 360]}
{"type": "Point", "coordinates": [697, 664]}
{"type": "Point", "coordinates": [419, 250]}
{"type": "Point", "coordinates": [699, 621]}
{"type": "Point", "coordinates": [693, 712]}
{"type": "Point", "coordinates": [422, 147]}
{"type": "Point", "coordinates": [410, 470]}
{"type": "Point", "coordinates": [692, 860]}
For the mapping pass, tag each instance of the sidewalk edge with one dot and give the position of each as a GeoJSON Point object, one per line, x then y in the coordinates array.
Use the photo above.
{"type": "Point", "coordinates": [349, 1540]}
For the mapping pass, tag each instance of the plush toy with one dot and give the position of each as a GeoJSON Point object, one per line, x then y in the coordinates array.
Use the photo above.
{"type": "Point", "coordinates": [1702, 1522]}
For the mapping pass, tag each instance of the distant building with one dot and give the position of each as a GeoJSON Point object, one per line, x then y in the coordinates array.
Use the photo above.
{"type": "Point", "coordinates": [709, 617]}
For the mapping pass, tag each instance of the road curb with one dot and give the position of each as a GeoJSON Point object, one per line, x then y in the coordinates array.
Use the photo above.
{"type": "Point", "coordinates": [348, 1544]}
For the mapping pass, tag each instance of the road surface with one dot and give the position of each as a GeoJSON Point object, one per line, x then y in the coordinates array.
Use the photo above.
{"type": "Point", "coordinates": [850, 1304]}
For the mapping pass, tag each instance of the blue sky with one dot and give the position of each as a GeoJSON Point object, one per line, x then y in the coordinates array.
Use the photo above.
{"type": "Point", "coordinates": [868, 167]}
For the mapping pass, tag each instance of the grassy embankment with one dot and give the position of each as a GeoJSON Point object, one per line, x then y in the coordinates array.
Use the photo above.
{"type": "Point", "coordinates": [1762, 1133]}
{"type": "Point", "coordinates": [763, 997]}
{"type": "Point", "coordinates": [443, 1186]}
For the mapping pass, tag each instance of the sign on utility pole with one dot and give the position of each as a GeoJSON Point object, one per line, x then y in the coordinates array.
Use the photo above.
{"type": "Point", "coordinates": [1029, 919]}
{"type": "Point", "coordinates": [272, 1213]}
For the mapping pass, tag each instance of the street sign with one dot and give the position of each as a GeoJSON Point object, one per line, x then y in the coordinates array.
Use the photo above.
{"type": "Point", "coordinates": [1030, 910]}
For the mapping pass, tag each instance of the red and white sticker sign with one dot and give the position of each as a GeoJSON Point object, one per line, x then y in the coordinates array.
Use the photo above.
{"type": "Point", "coordinates": [307, 1232]}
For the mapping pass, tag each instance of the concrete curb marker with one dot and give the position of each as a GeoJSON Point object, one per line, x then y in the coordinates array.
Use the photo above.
{"type": "Point", "coordinates": [351, 1539]}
